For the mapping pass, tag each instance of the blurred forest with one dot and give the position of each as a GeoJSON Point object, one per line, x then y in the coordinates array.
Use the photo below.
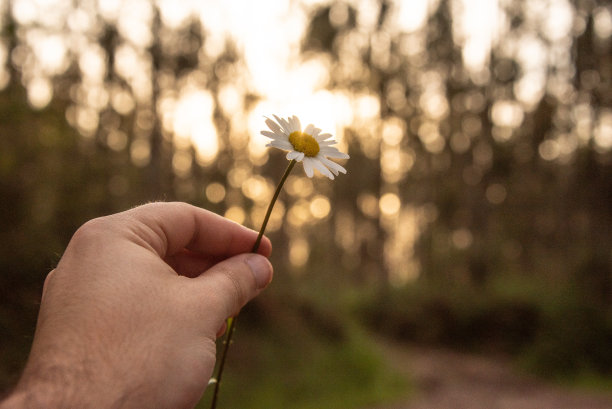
{"type": "Point", "coordinates": [477, 208]}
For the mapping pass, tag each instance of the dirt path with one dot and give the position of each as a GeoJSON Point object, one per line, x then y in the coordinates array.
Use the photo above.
{"type": "Point", "coordinates": [451, 380]}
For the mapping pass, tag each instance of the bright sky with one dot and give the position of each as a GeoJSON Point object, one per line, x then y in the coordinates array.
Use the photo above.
{"type": "Point", "coordinates": [268, 35]}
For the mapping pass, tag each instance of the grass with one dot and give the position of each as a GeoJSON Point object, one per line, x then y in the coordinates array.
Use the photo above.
{"type": "Point", "coordinates": [304, 358]}
{"type": "Point", "coordinates": [552, 331]}
{"type": "Point", "coordinates": [589, 381]}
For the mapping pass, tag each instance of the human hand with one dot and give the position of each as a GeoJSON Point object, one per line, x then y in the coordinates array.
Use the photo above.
{"type": "Point", "coordinates": [129, 317]}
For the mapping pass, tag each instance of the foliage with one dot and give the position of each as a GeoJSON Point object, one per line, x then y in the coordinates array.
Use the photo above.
{"type": "Point", "coordinates": [554, 332]}
{"type": "Point", "coordinates": [304, 355]}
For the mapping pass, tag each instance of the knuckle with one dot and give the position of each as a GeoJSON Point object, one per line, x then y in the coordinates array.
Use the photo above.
{"type": "Point", "coordinates": [91, 237]}
{"type": "Point", "coordinates": [236, 286]}
{"type": "Point", "coordinates": [91, 230]}
{"type": "Point", "coordinates": [234, 289]}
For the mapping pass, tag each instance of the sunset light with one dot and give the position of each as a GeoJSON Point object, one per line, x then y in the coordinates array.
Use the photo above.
{"type": "Point", "coordinates": [434, 177]}
{"type": "Point", "coordinates": [200, 78]}
{"type": "Point", "coordinates": [268, 37]}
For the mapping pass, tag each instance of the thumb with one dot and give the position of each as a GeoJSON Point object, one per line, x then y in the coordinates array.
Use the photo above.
{"type": "Point", "coordinates": [229, 285]}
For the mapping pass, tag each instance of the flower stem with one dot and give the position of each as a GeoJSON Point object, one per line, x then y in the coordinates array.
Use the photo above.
{"type": "Point", "coordinates": [226, 343]}
{"type": "Point", "coordinates": [271, 206]}
{"type": "Point", "coordinates": [232, 321]}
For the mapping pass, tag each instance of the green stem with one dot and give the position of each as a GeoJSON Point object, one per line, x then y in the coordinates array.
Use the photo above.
{"type": "Point", "coordinates": [232, 322]}
{"type": "Point", "coordinates": [226, 343]}
{"type": "Point", "coordinates": [271, 206]}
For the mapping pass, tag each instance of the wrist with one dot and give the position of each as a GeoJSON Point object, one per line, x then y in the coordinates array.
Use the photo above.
{"type": "Point", "coordinates": [63, 385]}
{"type": "Point", "coordinates": [59, 393]}
{"type": "Point", "coordinates": [39, 388]}
{"type": "Point", "coordinates": [16, 400]}
{"type": "Point", "coordinates": [34, 396]}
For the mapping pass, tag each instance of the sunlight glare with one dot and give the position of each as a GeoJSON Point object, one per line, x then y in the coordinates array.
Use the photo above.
{"type": "Point", "coordinates": [109, 9]}
{"type": "Point", "coordinates": [530, 88]}
{"type": "Point", "coordinates": [299, 186]}
{"type": "Point", "coordinates": [258, 189]}
{"type": "Point", "coordinates": [558, 20]}
{"type": "Point", "coordinates": [368, 204]}
{"type": "Point", "coordinates": [393, 131]}
{"type": "Point", "coordinates": [215, 192]}
{"type": "Point", "coordinates": [602, 19]}
{"type": "Point", "coordinates": [235, 213]}
{"type": "Point", "coordinates": [92, 63]}
{"type": "Point", "coordinates": [411, 15]}
{"type": "Point", "coordinates": [140, 152]}
{"type": "Point", "coordinates": [40, 92]}
{"type": "Point", "coordinates": [476, 29]}
{"type": "Point", "coordinates": [603, 131]}
{"type": "Point", "coordinates": [173, 13]}
{"type": "Point", "coordinates": [507, 113]}
{"type": "Point", "coordinates": [299, 214]}
{"type": "Point", "coordinates": [389, 204]}
{"type": "Point", "coordinates": [192, 123]}
{"type": "Point", "coordinates": [230, 99]}
{"type": "Point", "coordinates": [80, 20]}
{"type": "Point", "coordinates": [320, 207]}
{"type": "Point", "coordinates": [24, 11]}
{"type": "Point", "coordinates": [134, 22]}
{"type": "Point", "coordinates": [181, 163]}
{"type": "Point", "coordinates": [51, 51]}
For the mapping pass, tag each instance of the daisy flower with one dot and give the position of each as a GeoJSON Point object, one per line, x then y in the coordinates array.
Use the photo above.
{"type": "Point", "coordinates": [310, 146]}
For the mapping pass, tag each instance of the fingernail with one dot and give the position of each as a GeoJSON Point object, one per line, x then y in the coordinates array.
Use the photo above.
{"type": "Point", "coordinates": [261, 268]}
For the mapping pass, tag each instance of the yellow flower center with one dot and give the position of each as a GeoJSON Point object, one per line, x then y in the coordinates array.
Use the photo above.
{"type": "Point", "coordinates": [302, 142]}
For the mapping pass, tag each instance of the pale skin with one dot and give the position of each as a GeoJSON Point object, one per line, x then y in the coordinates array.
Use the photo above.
{"type": "Point", "coordinates": [130, 316]}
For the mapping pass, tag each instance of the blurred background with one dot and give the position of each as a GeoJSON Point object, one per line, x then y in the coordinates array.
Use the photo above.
{"type": "Point", "coordinates": [476, 214]}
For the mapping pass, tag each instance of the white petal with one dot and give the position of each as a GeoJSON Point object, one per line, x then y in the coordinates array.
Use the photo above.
{"type": "Point", "coordinates": [274, 127]}
{"type": "Point", "coordinates": [315, 132]}
{"type": "Point", "coordinates": [327, 143]}
{"type": "Point", "coordinates": [298, 156]}
{"type": "Point", "coordinates": [308, 167]}
{"type": "Point", "coordinates": [317, 164]}
{"type": "Point", "coordinates": [286, 146]}
{"type": "Point", "coordinates": [324, 136]}
{"type": "Point", "coordinates": [291, 123]}
{"type": "Point", "coordinates": [333, 166]}
{"type": "Point", "coordinates": [309, 129]}
{"type": "Point", "coordinates": [333, 153]}
{"type": "Point", "coordinates": [274, 135]}
{"type": "Point", "coordinates": [294, 121]}
{"type": "Point", "coordinates": [284, 124]}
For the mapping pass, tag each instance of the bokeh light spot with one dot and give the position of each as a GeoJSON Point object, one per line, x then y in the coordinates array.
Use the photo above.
{"type": "Point", "coordinates": [320, 207]}
{"type": "Point", "coordinates": [299, 252]}
{"type": "Point", "coordinates": [389, 204]}
{"type": "Point", "coordinates": [496, 193]}
{"type": "Point", "coordinates": [215, 192]}
{"type": "Point", "coordinates": [235, 213]}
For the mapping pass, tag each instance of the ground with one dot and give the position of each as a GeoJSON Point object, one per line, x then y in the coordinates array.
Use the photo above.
{"type": "Point", "coordinates": [446, 379]}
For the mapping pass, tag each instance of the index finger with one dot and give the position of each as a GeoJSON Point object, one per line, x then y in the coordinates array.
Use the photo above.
{"type": "Point", "coordinates": [171, 227]}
